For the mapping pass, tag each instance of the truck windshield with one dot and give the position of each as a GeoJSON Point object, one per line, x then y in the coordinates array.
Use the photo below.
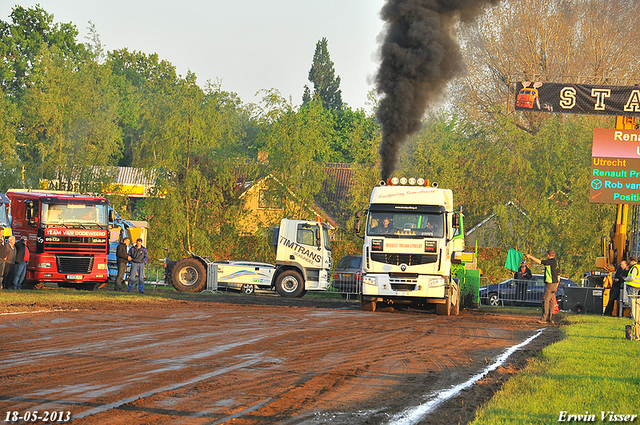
{"type": "Point", "coordinates": [74, 215]}
{"type": "Point", "coordinates": [405, 225]}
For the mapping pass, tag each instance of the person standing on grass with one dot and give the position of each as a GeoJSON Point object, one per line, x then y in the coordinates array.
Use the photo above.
{"type": "Point", "coordinates": [614, 294]}
{"type": "Point", "coordinates": [21, 262]}
{"type": "Point", "coordinates": [138, 256]}
{"type": "Point", "coordinates": [522, 277]}
{"type": "Point", "coordinates": [551, 281]}
{"type": "Point", "coordinates": [8, 266]}
{"type": "Point", "coordinates": [122, 256]}
{"type": "Point", "coordinates": [3, 259]}
{"type": "Point", "coordinates": [633, 280]}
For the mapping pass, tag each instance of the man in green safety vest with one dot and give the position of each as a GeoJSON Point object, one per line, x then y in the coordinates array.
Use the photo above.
{"type": "Point", "coordinates": [551, 281]}
{"type": "Point", "coordinates": [633, 279]}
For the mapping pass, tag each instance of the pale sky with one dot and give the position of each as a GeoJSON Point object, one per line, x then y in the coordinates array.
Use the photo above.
{"type": "Point", "coordinates": [248, 45]}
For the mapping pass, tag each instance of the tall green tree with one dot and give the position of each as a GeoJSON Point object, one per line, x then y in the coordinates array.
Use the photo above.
{"type": "Point", "coordinates": [195, 137]}
{"type": "Point", "coordinates": [298, 143]}
{"type": "Point", "coordinates": [68, 121]}
{"type": "Point", "coordinates": [22, 40]}
{"type": "Point", "coordinates": [326, 85]}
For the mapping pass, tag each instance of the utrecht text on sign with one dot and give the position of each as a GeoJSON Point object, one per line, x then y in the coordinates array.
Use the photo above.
{"type": "Point", "coordinates": [615, 167]}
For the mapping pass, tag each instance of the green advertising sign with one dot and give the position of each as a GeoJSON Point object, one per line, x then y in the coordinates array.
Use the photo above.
{"type": "Point", "coordinates": [615, 167]}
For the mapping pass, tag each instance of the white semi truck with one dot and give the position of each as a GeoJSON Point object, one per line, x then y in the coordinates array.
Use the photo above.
{"type": "Point", "coordinates": [412, 236]}
{"type": "Point", "coordinates": [303, 263]}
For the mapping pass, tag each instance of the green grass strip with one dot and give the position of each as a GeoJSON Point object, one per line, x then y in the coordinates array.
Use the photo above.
{"type": "Point", "coordinates": [591, 371]}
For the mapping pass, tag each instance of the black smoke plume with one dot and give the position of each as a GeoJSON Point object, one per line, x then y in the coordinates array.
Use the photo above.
{"type": "Point", "coordinates": [419, 55]}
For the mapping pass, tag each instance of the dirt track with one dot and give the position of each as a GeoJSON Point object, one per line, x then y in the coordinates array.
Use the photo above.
{"type": "Point", "coordinates": [241, 360]}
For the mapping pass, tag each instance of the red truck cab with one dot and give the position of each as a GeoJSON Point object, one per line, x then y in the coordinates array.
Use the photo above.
{"type": "Point", "coordinates": [68, 236]}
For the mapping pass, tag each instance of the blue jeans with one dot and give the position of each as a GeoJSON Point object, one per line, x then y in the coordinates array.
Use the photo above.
{"type": "Point", "coordinates": [136, 275]}
{"type": "Point", "coordinates": [19, 271]}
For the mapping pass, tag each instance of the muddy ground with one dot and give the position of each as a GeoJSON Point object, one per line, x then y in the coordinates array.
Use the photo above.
{"type": "Point", "coordinates": [253, 360]}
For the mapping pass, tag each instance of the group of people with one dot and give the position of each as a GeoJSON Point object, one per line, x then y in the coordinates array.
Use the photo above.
{"type": "Point", "coordinates": [14, 258]}
{"type": "Point", "coordinates": [626, 272]}
{"type": "Point", "coordinates": [135, 255]}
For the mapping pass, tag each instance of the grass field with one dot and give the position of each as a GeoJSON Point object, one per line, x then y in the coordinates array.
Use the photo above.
{"type": "Point", "coordinates": [593, 371]}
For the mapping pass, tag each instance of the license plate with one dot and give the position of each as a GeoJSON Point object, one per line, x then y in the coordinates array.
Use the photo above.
{"type": "Point", "coordinates": [74, 277]}
{"type": "Point", "coordinates": [346, 274]}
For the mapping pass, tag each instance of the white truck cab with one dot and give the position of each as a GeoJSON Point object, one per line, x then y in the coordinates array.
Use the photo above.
{"type": "Point", "coordinates": [410, 240]}
{"type": "Point", "coordinates": [303, 262]}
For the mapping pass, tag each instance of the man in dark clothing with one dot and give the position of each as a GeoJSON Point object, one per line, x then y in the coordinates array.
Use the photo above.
{"type": "Point", "coordinates": [21, 262]}
{"type": "Point", "coordinates": [122, 255]}
{"type": "Point", "coordinates": [551, 282]}
{"type": "Point", "coordinates": [8, 266]}
{"type": "Point", "coordinates": [138, 256]}
{"type": "Point", "coordinates": [522, 277]}
{"type": "Point", "coordinates": [3, 258]}
{"type": "Point", "coordinates": [618, 280]}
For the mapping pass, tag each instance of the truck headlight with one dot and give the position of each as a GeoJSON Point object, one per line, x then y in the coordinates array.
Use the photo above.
{"type": "Point", "coordinates": [434, 283]}
{"type": "Point", "coordinates": [369, 280]}
{"type": "Point", "coordinates": [44, 265]}
{"type": "Point", "coordinates": [102, 266]}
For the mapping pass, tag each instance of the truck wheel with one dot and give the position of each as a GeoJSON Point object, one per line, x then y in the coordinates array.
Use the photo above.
{"type": "Point", "coordinates": [189, 275]}
{"type": "Point", "coordinates": [290, 284]}
{"type": "Point", "coordinates": [367, 305]}
{"type": "Point", "coordinates": [444, 309]}
{"type": "Point", "coordinates": [248, 289]}
{"type": "Point", "coordinates": [455, 306]}
{"type": "Point", "coordinates": [449, 308]}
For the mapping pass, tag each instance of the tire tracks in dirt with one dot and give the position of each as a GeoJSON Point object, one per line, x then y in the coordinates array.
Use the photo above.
{"type": "Point", "coordinates": [247, 364]}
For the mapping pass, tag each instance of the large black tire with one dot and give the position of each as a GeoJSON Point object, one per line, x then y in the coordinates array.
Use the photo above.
{"type": "Point", "coordinates": [444, 309]}
{"type": "Point", "coordinates": [455, 303]}
{"type": "Point", "coordinates": [290, 284]}
{"type": "Point", "coordinates": [90, 286]}
{"type": "Point", "coordinates": [248, 289]}
{"type": "Point", "coordinates": [189, 275]}
{"type": "Point", "coordinates": [33, 285]}
{"type": "Point", "coordinates": [169, 265]}
{"type": "Point", "coordinates": [366, 304]}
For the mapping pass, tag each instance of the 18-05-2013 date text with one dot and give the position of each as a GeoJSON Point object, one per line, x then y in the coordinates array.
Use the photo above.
{"type": "Point", "coordinates": [36, 416]}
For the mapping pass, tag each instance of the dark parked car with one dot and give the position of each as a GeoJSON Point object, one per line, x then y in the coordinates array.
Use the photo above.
{"type": "Point", "coordinates": [347, 278]}
{"type": "Point", "coordinates": [507, 292]}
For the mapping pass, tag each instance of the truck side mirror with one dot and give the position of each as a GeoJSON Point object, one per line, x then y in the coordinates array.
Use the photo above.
{"type": "Point", "coordinates": [112, 216]}
{"type": "Point", "coordinates": [455, 222]}
{"type": "Point", "coordinates": [356, 223]}
{"type": "Point", "coordinates": [28, 210]}
{"type": "Point", "coordinates": [318, 237]}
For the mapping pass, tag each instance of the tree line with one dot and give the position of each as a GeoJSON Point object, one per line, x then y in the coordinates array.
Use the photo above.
{"type": "Point", "coordinates": [68, 107]}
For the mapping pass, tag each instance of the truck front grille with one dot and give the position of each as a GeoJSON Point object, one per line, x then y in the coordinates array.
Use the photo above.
{"type": "Point", "coordinates": [74, 263]}
{"type": "Point", "coordinates": [408, 259]}
{"type": "Point", "coordinates": [70, 244]}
